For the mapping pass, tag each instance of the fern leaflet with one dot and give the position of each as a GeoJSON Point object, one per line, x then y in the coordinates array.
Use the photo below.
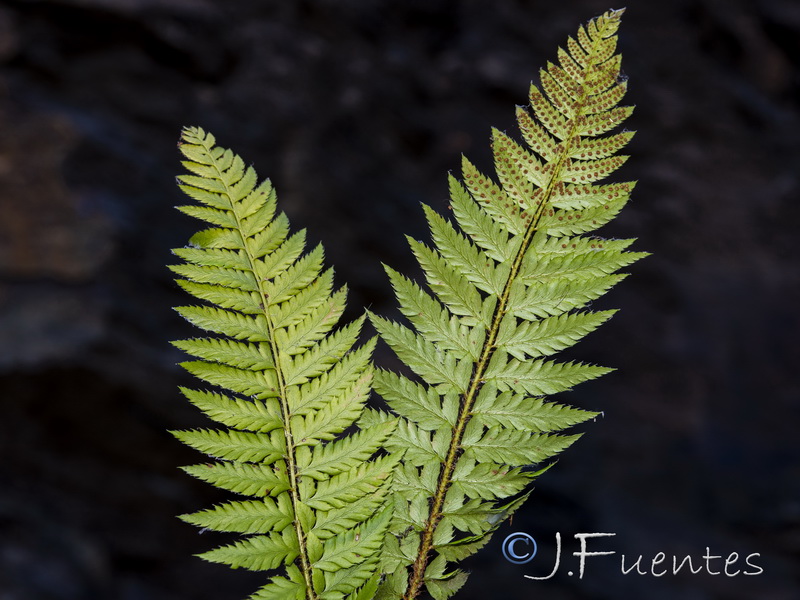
{"type": "Point", "coordinates": [507, 288]}
{"type": "Point", "coordinates": [284, 386]}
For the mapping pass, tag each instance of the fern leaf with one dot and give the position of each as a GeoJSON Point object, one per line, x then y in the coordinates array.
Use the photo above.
{"type": "Point", "coordinates": [250, 415]}
{"type": "Point", "coordinates": [285, 383]}
{"type": "Point", "coordinates": [258, 553]}
{"type": "Point", "coordinates": [226, 322]}
{"type": "Point", "coordinates": [362, 504]}
{"type": "Point", "coordinates": [321, 390]}
{"type": "Point", "coordinates": [241, 301]}
{"type": "Point", "coordinates": [344, 454]}
{"type": "Point", "coordinates": [241, 478]}
{"type": "Point", "coordinates": [236, 445]}
{"type": "Point", "coordinates": [344, 550]}
{"type": "Point", "coordinates": [516, 411]}
{"type": "Point", "coordinates": [237, 354]}
{"type": "Point", "coordinates": [422, 404]}
{"type": "Point", "coordinates": [508, 284]}
{"type": "Point", "coordinates": [280, 588]}
{"type": "Point", "coordinates": [244, 517]}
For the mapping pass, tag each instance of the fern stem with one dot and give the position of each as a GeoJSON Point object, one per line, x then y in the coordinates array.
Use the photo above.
{"type": "Point", "coordinates": [290, 458]}
{"type": "Point", "coordinates": [291, 466]}
{"type": "Point", "coordinates": [417, 575]}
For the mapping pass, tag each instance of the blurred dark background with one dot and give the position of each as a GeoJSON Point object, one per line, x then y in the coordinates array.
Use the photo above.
{"type": "Point", "coordinates": [357, 110]}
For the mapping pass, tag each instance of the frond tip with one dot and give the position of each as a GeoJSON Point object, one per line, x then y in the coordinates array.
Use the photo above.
{"type": "Point", "coordinates": [283, 387]}
{"type": "Point", "coordinates": [508, 285]}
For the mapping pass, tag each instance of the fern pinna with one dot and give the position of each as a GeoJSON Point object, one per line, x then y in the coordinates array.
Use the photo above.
{"type": "Point", "coordinates": [509, 289]}
{"type": "Point", "coordinates": [283, 386]}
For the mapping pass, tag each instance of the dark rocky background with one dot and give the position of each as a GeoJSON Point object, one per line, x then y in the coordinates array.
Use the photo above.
{"type": "Point", "coordinates": [357, 110]}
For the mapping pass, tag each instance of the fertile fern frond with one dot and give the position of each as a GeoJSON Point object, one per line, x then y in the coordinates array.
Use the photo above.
{"type": "Point", "coordinates": [508, 287]}
{"type": "Point", "coordinates": [283, 386]}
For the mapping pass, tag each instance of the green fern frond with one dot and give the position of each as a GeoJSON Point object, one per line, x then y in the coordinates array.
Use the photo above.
{"type": "Point", "coordinates": [285, 386]}
{"type": "Point", "coordinates": [508, 285]}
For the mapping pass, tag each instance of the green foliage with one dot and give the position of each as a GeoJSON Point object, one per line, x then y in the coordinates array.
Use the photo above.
{"type": "Point", "coordinates": [508, 286]}
{"type": "Point", "coordinates": [284, 386]}
{"type": "Point", "coordinates": [389, 509]}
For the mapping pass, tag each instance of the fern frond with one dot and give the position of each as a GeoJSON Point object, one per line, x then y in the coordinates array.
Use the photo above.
{"type": "Point", "coordinates": [508, 285]}
{"type": "Point", "coordinates": [285, 385]}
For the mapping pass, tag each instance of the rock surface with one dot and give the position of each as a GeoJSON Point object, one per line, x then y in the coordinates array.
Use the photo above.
{"type": "Point", "coordinates": [357, 110]}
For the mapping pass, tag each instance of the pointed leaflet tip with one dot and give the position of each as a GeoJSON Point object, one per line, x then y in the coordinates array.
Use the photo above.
{"type": "Point", "coordinates": [613, 14]}
{"type": "Point", "coordinates": [612, 19]}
